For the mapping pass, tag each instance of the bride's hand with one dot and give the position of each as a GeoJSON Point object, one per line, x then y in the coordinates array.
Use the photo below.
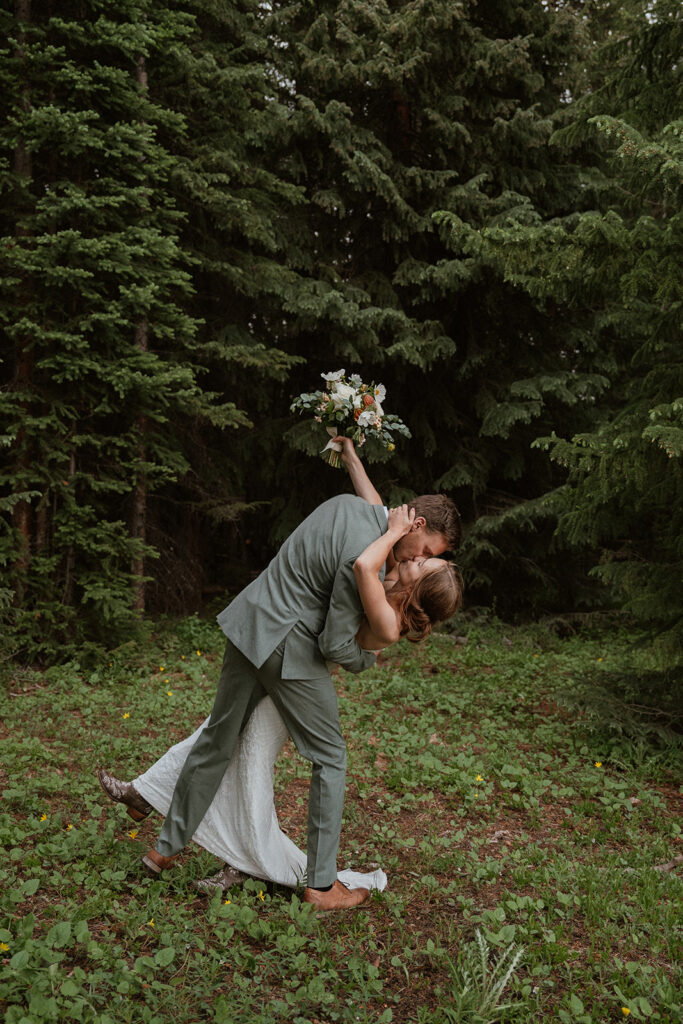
{"type": "Point", "coordinates": [349, 449]}
{"type": "Point", "coordinates": [401, 519]}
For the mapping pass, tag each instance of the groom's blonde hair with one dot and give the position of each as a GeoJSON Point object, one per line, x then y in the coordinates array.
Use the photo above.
{"type": "Point", "coordinates": [441, 516]}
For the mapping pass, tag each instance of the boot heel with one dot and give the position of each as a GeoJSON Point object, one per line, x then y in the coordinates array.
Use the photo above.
{"type": "Point", "coordinates": [151, 867]}
{"type": "Point", "coordinates": [155, 863]}
{"type": "Point", "coordinates": [135, 815]}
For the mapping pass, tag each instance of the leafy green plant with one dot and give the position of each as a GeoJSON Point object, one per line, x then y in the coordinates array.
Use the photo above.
{"type": "Point", "coordinates": [440, 738]}
{"type": "Point", "coordinates": [479, 980]}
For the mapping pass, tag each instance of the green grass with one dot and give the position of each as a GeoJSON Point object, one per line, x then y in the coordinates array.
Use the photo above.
{"type": "Point", "coordinates": [472, 780]}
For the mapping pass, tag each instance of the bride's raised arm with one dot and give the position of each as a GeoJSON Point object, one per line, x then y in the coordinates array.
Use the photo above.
{"type": "Point", "coordinates": [382, 622]}
{"type": "Point", "coordinates": [362, 484]}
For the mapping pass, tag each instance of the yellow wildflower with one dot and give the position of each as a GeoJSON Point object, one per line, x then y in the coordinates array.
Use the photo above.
{"type": "Point", "coordinates": [479, 779]}
{"type": "Point", "coordinates": [43, 817]}
{"type": "Point", "coordinates": [598, 764]}
{"type": "Point", "coordinates": [199, 654]}
{"type": "Point", "coordinates": [69, 827]}
{"type": "Point", "coordinates": [133, 832]}
{"type": "Point", "coordinates": [625, 1010]}
{"type": "Point", "coordinates": [3, 947]}
{"type": "Point", "coordinates": [476, 794]}
{"type": "Point", "coordinates": [260, 895]}
{"type": "Point", "coordinates": [126, 714]}
{"type": "Point", "coordinates": [227, 901]}
{"type": "Point", "coordinates": [161, 668]}
{"type": "Point", "coordinates": [169, 693]}
{"type": "Point", "coordinates": [182, 657]}
{"type": "Point", "coordinates": [151, 922]}
{"type": "Point", "coordinates": [602, 659]}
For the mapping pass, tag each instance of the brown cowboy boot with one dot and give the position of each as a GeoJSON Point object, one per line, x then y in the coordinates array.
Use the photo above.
{"type": "Point", "coordinates": [220, 882]}
{"type": "Point", "coordinates": [124, 793]}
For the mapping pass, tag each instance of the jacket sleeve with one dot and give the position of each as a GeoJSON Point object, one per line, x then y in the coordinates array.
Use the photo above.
{"type": "Point", "coordinates": [337, 641]}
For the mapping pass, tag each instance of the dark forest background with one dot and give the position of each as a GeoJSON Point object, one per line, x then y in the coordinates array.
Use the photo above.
{"type": "Point", "coordinates": [206, 204]}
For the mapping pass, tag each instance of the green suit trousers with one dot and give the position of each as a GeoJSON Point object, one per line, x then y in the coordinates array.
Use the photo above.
{"type": "Point", "coordinates": [309, 710]}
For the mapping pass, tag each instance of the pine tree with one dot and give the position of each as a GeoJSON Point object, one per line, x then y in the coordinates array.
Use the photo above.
{"type": "Point", "coordinates": [625, 489]}
{"type": "Point", "coordinates": [92, 303]}
{"type": "Point", "coordinates": [615, 272]}
{"type": "Point", "coordinates": [398, 112]}
{"type": "Point", "coordinates": [234, 208]}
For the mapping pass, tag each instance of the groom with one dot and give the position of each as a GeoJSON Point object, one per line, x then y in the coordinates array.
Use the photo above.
{"type": "Point", "coordinates": [300, 613]}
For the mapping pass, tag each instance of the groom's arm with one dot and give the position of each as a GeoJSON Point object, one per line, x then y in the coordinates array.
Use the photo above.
{"type": "Point", "coordinates": [337, 641]}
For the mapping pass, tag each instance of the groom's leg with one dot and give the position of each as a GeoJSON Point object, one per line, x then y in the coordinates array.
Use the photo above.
{"type": "Point", "coordinates": [238, 693]}
{"type": "Point", "coordinates": [309, 710]}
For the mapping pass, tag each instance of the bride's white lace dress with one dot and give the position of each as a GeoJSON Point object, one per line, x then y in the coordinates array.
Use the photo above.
{"type": "Point", "coordinates": [241, 825]}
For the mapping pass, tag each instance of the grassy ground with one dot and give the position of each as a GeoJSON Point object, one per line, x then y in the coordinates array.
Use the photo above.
{"type": "Point", "coordinates": [497, 808]}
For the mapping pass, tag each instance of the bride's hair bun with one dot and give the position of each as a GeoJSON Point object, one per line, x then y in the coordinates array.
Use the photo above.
{"type": "Point", "coordinates": [435, 597]}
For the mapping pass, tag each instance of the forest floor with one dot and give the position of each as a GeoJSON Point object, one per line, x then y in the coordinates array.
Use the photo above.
{"type": "Point", "coordinates": [511, 817]}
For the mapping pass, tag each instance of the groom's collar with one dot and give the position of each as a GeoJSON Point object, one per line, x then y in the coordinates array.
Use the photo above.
{"type": "Point", "coordinates": [382, 515]}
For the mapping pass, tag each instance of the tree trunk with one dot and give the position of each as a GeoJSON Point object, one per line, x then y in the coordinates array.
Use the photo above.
{"type": "Point", "coordinates": [138, 524]}
{"type": "Point", "coordinates": [23, 364]}
{"type": "Point", "coordinates": [22, 158]}
{"type": "Point", "coordinates": [68, 595]}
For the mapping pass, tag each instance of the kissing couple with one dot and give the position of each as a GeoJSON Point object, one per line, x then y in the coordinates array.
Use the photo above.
{"type": "Point", "coordinates": [353, 578]}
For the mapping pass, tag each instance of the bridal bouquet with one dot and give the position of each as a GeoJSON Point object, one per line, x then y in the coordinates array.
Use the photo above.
{"type": "Point", "coordinates": [353, 409]}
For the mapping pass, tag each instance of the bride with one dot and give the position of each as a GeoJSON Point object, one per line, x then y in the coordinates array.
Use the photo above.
{"type": "Point", "coordinates": [241, 825]}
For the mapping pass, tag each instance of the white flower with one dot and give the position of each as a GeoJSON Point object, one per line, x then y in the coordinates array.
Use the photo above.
{"type": "Point", "coordinates": [355, 380]}
{"type": "Point", "coordinates": [344, 391]}
{"type": "Point", "coordinates": [341, 393]}
{"type": "Point", "coordinates": [334, 375]}
{"type": "Point", "coordinates": [366, 418]}
{"type": "Point", "coordinates": [378, 408]}
{"type": "Point", "coordinates": [380, 393]}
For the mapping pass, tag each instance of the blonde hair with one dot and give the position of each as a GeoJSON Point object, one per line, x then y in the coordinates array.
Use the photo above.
{"type": "Point", "coordinates": [435, 597]}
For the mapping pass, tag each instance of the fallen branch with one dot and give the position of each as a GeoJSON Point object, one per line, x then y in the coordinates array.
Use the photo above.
{"type": "Point", "coordinates": [670, 863]}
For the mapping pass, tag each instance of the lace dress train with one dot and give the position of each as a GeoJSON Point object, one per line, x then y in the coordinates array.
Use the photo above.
{"type": "Point", "coordinates": [241, 825]}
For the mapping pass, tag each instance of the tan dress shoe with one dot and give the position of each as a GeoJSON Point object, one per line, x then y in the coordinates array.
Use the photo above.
{"type": "Point", "coordinates": [124, 793]}
{"type": "Point", "coordinates": [336, 898]}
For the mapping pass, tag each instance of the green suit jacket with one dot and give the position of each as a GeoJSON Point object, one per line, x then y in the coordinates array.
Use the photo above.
{"type": "Point", "coordinates": [308, 595]}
